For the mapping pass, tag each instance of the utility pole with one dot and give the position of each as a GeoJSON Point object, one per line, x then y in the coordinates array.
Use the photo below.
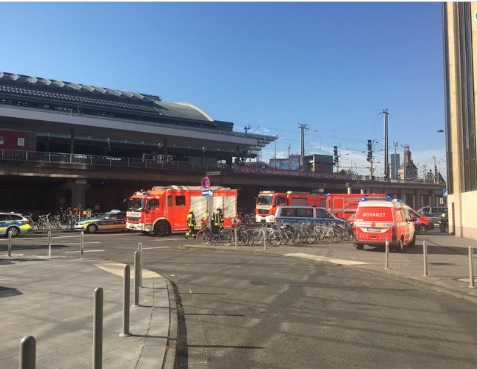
{"type": "Point", "coordinates": [302, 127]}
{"type": "Point", "coordinates": [386, 155]}
{"type": "Point", "coordinates": [246, 130]}
{"type": "Point", "coordinates": [395, 174]}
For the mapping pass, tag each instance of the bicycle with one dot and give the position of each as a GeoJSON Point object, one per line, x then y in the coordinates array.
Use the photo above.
{"type": "Point", "coordinates": [206, 237]}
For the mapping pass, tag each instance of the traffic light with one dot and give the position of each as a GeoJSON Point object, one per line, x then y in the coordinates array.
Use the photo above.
{"type": "Point", "coordinates": [370, 151]}
{"type": "Point", "coordinates": [335, 155]}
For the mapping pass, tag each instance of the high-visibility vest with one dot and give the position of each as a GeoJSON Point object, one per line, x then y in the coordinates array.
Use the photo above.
{"type": "Point", "coordinates": [191, 219]}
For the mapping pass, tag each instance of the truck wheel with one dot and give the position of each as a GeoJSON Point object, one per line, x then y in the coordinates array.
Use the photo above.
{"type": "Point", "coordinates": [359, 246]}
{"type": "Point", "coordinates": [161, 229]}
{"type": "Point", "coordinates": [422, 228]}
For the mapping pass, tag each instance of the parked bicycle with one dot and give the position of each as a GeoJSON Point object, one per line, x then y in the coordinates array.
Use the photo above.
{"type": "Point", "coordinates": [206, 237]}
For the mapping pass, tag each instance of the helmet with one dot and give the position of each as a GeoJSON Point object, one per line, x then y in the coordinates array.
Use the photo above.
{"type": "Point", "coordinates": [219, 209]}
{"type": "Point", "coordinates": [191, 210]}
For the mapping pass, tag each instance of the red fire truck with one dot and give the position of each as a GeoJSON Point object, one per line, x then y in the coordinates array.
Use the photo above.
{"type": "Point", "coordinates": [268, 201]}
{"type": "Point", "coordinates": [163, 210]}
{"type": "Point", "coordinates": [342, 205]}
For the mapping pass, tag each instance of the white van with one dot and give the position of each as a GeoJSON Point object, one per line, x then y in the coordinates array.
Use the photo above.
{"type": "Point", "coordinates": [300, 214]}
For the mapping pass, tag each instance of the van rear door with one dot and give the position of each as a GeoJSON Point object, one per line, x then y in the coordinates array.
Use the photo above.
{"type": "Point", "coordinates": [374, 224]}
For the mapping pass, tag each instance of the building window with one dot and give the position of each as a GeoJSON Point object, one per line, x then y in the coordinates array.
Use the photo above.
{"type": "Point", "coordinates": [467, 107]}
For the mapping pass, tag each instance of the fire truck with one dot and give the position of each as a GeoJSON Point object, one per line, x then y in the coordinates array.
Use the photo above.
{"type": "Point", "coordinates": [163, 210]}
{"type": "Point", "coordinates": [268, 201]}
{"type": "Point", "coordinates": [342, 205]}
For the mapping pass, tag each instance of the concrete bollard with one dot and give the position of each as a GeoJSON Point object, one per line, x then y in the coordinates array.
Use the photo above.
{"type": "Point", "coordinates": [98, 329]}
{"type": "Point", "coordinates": [424, 254]}
{"type": "Point", "coordinates": [27, 353]}
{"type": "Point", "coordinates": [126, 302]}
{"type": "Point", "coordinates": [136, 278]}
{"type": "Point", "coordinates": [386, 256]}
{"type": "Point", "coordinates": [471, 267]}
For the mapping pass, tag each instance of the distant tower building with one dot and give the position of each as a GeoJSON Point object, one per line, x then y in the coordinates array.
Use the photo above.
{"type": "Point", "coordinates": [408, 170]}
{"type": "Point", "coordinates": [395, 164]}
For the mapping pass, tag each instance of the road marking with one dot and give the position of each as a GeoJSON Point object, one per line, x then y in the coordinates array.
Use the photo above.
{"type": "Point", "coordinates": [118, 269]}
{"type": "Point", "coordinates": [326, 259]}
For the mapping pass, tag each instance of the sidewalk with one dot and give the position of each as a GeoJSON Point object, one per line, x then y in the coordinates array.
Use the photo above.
{"type": "Point", "coordinates": [53, 301]}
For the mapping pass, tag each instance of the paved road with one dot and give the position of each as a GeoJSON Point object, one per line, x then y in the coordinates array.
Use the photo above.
{"type": "Point", "coordinates": [321, 306]}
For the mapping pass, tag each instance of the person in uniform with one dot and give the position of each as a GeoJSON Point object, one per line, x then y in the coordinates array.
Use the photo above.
{"type": "Point", "coordinates": [191, 224]}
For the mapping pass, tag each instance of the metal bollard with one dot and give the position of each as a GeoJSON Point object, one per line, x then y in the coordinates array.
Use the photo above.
{"type": "Point", "coordinates": [424, 254]}
{"type": "Point", "coordinates": [126, 302]}
{"type": "Point", "coordinates": [81, 244]}
{"type": "Point", "coordinates": [136, 278]}
{"type": "Point", "coordinates": [98, 329]}
{"type": "Point", "coordinates": [49, 244]}
{"type": "Point", "coordinates": [139, 249]}
{"type": "Point", "coordinates": [471, 267]}
{"type": "Point", "coordinates": [9, 244]}
{"type": "Point", "coordinates": [27, 352]}
{"type": "Point", "coordinates": [386, 256]}
{"type": "Point", "coordinates": [235, 236]}
{"type": "Point", "coordinates": [264, 239]}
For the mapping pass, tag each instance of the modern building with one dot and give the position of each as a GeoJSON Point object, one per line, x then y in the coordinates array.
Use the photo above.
{"type": "Point", "coordinates": [460, 52]}
{"type": "Point", "coordinates": [395, 164]}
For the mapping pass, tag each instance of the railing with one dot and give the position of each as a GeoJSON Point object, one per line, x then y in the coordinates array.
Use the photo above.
{"type": "Point", "coordinates": [156, 163]}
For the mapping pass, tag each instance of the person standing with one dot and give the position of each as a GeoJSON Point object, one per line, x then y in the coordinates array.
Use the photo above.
{"type": "Point", "coordinates": [204, 221]}
{"type": "Point", "coordinates": [190, 223]}
{"type": "Point", "coordinates": [218, 221]}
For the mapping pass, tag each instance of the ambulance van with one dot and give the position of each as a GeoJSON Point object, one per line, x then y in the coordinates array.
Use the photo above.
{"type": "Point", "coordinates": [380, 220]}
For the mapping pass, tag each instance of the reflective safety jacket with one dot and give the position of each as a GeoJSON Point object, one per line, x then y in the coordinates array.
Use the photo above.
{"type": "Point", "coordinates": [191, 219]}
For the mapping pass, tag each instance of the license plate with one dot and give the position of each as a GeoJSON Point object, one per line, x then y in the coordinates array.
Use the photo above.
{"type": "Point", "coordinates": [374, 230]}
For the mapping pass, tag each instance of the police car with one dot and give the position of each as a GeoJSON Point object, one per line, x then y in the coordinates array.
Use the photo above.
{"type": "Point", "coordinates": [114, 220]}
{"type": "Point", "coordinates": [13, 224]}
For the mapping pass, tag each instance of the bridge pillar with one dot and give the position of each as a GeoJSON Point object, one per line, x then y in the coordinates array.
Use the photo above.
{"type": "Point", "coordinates": [78, 189]}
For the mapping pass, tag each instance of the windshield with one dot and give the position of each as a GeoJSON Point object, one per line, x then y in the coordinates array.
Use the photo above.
{"type": "Point", "coordinates": [264, 200]}
{"type": "Point", "coordinates": [135, 204]}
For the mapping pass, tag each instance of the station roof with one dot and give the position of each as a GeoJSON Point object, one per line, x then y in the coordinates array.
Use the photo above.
{"type": "Point", "coordinates": [50, 106]}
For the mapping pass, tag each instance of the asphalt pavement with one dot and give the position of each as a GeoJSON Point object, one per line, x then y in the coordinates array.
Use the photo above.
{"type": "Point", "coordinates": [53, 301]}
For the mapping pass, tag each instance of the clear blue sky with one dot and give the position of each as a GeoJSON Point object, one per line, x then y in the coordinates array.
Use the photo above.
{"type": "Point", "coordinates": [270, 66]}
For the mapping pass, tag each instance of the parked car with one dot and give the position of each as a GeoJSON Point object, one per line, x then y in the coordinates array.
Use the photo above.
{"type": "Point", "coordinates": [113, 220]}
{"type": "Point", "coordinates": [422, 222]}
{"type": "Point", "coordinates": [13, 224]}
{"type": "Point", "coordinates": [433, 212]}
{"type": "Point", "coordinates": [380, 220]}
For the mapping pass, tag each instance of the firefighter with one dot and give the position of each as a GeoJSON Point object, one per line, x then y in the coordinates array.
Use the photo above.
{"type": "Point", "coordinates": [218, 221]}
{"type": "Point", "coordinates": [190, 223]}
{"type": "Point", "coordinates": [204, 221]}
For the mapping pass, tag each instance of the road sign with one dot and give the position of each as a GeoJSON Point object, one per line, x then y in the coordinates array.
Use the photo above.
{"type": "Point", "coordinates": [205, 182]}
{"type": "Point", "coordinates": [444, 192]}
{"type": "Point", "coordinates": [207, 193]}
